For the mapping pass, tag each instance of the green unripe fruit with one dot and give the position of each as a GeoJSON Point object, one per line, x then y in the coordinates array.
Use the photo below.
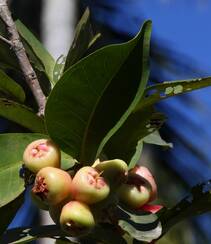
{"type": "Point", "coordinates": [52, 185]}
{"type": "Point", "coordinates": [41, 153]}
{"type": "Point", "coordinates": [89, 186]}
{"type": "Point", "coordinates": [146, 174]}
{"type": "Point", "coordinates": [133, 196]}
{"type": "Point", "coordinates": [76, 219]}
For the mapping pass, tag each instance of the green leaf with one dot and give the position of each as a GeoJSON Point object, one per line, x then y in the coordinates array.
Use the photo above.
{"type": "Point", "coordinates": [168, 89]}
{"type": "Point", "coordinates": [22, 115]}
{"type": "Point", "coordinates": [198, 202]}
{"type": "Point", "coordinates": [142, 226]}
{"type": "Point", "coordinates": [155, 139]}
{"type": "Point", "coordinates": [25, 235]}
{"type": "Point", "coordinates": [67, 161]}
{"type": "Point", "coordinates": [8, 212]}
{"type": "Point", "coordinates": [37, 49]}
{"type": "Point", "coordinates": [58, 68]}
{"type": "Point", "coordinates": [136, 155]}
{"type": "Point", "coordinates": [11, 151]}
{"type": "Point", "coordinates": [93, 95]}
{"type": "Point", "coordinates": [83, 40]}
{"type": "Point", "coordinates": [128, 140]}
{"type": "Point", "coordinates": [10, 89]}
{"type": "Point", "coordinates": [142, 63]}
{"type": "Point", "coordinates": [145, 236]}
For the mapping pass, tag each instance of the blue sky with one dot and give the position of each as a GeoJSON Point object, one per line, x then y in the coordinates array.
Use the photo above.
{"type": "Point", "coordinates": [185, 25]}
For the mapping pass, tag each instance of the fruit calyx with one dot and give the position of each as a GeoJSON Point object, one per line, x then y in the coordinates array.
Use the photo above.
{"type": "Point", "coordinates": [40, 188]}
{"type": "Point", "coordinates": [89, 186]}
{"type": "Point", "coordinates": [39, 150]}
{"type": "Point", "coordinates": [94, 178]}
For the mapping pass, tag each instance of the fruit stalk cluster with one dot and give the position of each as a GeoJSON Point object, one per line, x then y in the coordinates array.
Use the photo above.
{"type": "Point", "coordinates": [71, 200]}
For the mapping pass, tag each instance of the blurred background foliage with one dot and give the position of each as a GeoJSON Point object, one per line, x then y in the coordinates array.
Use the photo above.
{"type": "Point", "coordinates": [179, 50]}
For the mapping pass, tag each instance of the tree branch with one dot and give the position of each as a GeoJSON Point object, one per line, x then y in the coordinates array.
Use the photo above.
{"type": "Point", "coordinates": [17, 45]}
{"type": "Point", "coordinates": [5, 40]}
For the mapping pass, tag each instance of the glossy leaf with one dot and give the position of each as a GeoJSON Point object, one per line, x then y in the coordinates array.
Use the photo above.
{"type": "Point", "coordinates": [67, 161]}
{"type": "Point", "coordinates": [83, 40]}
{"type": "Point", "coordinates": [58, 68]}
{"type": "Point", "coordinates": [142, 226]}
{"type": "Point", "coordinates": [128, 140]}
{"type": "Point", "coordinates": [10, 89]}
{"type": "Point", "coordinates": [137, 154]}
{"type": "Point", "coordinates": [28, 234]}
{"type": "Point", "coordinates": [37, 49]}
{"type": "Point", "coordinates": [22, 115]}
{"type": "Point", "coordinates": [168, 89]}
{"type": "Point", "coordinates": [155, 139]}
{"type": "Point", "coordinates": [82, 107]}
{"type": "Point", "coordinates": [142, 73]}
{"type": "Point", "coordinates": [8, 212]}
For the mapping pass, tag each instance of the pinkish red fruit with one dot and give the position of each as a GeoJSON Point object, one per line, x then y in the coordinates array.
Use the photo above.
{"type": "Point", "coordinates": [89, 186]}
{"type": "Point", "coordinates": [76, 219]}
{"type": "Point", "coordinates": [52, 185]}
{"type": "Point", "coordinates": [41, 153]}
{"type": "Point", "coordinates": [146, 174]}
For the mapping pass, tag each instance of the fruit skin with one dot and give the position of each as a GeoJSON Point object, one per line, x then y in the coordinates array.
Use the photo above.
{"type": "Point", "coordinates": [146, 174]}
{"type": "Point", "coordinates": [76, 218]}
{"type": "Point", "coordinates": [133, 196]}
{"type": "Point", "coordinates": [41, 153]}
{"type": "Point", "coordinates": [52, 185]}
{"type": "Point", "coordinates": [113, 170]}
{"type": "Point", "coordinates": [88, 186]}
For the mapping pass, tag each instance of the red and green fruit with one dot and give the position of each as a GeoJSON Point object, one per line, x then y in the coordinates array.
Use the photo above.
{"type": "Point", "coordinates": [146, 174]}
{"type": "Point", "coordinates": [134, 196]}
{"type": "Point", "coordinates": [41, 153]}
{"type": "Point", "coordinates": [89, 186]}
{"type": "Point", "coordinates": [76, 219]}
{"type": "Point", "coordinates": [52, 185]}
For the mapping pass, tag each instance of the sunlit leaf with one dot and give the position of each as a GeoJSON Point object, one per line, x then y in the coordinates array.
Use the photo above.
{"type": "Point", "coordinates": [83, 106]}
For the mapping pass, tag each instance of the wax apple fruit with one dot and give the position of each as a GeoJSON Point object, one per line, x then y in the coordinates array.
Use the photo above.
{"type": "Point", "coordinates": [146, 174]}
{"type": "Point", "coordinates": [76, 218]}
{"type": "Point", "coordinates": [52, 185]}
{"type": "Point", "coordinates": [134, 196]}
{"type": "Point", "coordinates": [41, 153]}
{"type": "Point", "coordinates": [89, 186]}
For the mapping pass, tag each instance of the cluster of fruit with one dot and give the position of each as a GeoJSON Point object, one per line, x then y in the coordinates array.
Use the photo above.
{"type": "Point", "coordinates": [70, 200]}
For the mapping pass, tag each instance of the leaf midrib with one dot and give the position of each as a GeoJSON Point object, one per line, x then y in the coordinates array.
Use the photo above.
{"type": "Point", "coordinates": [99, 97]}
